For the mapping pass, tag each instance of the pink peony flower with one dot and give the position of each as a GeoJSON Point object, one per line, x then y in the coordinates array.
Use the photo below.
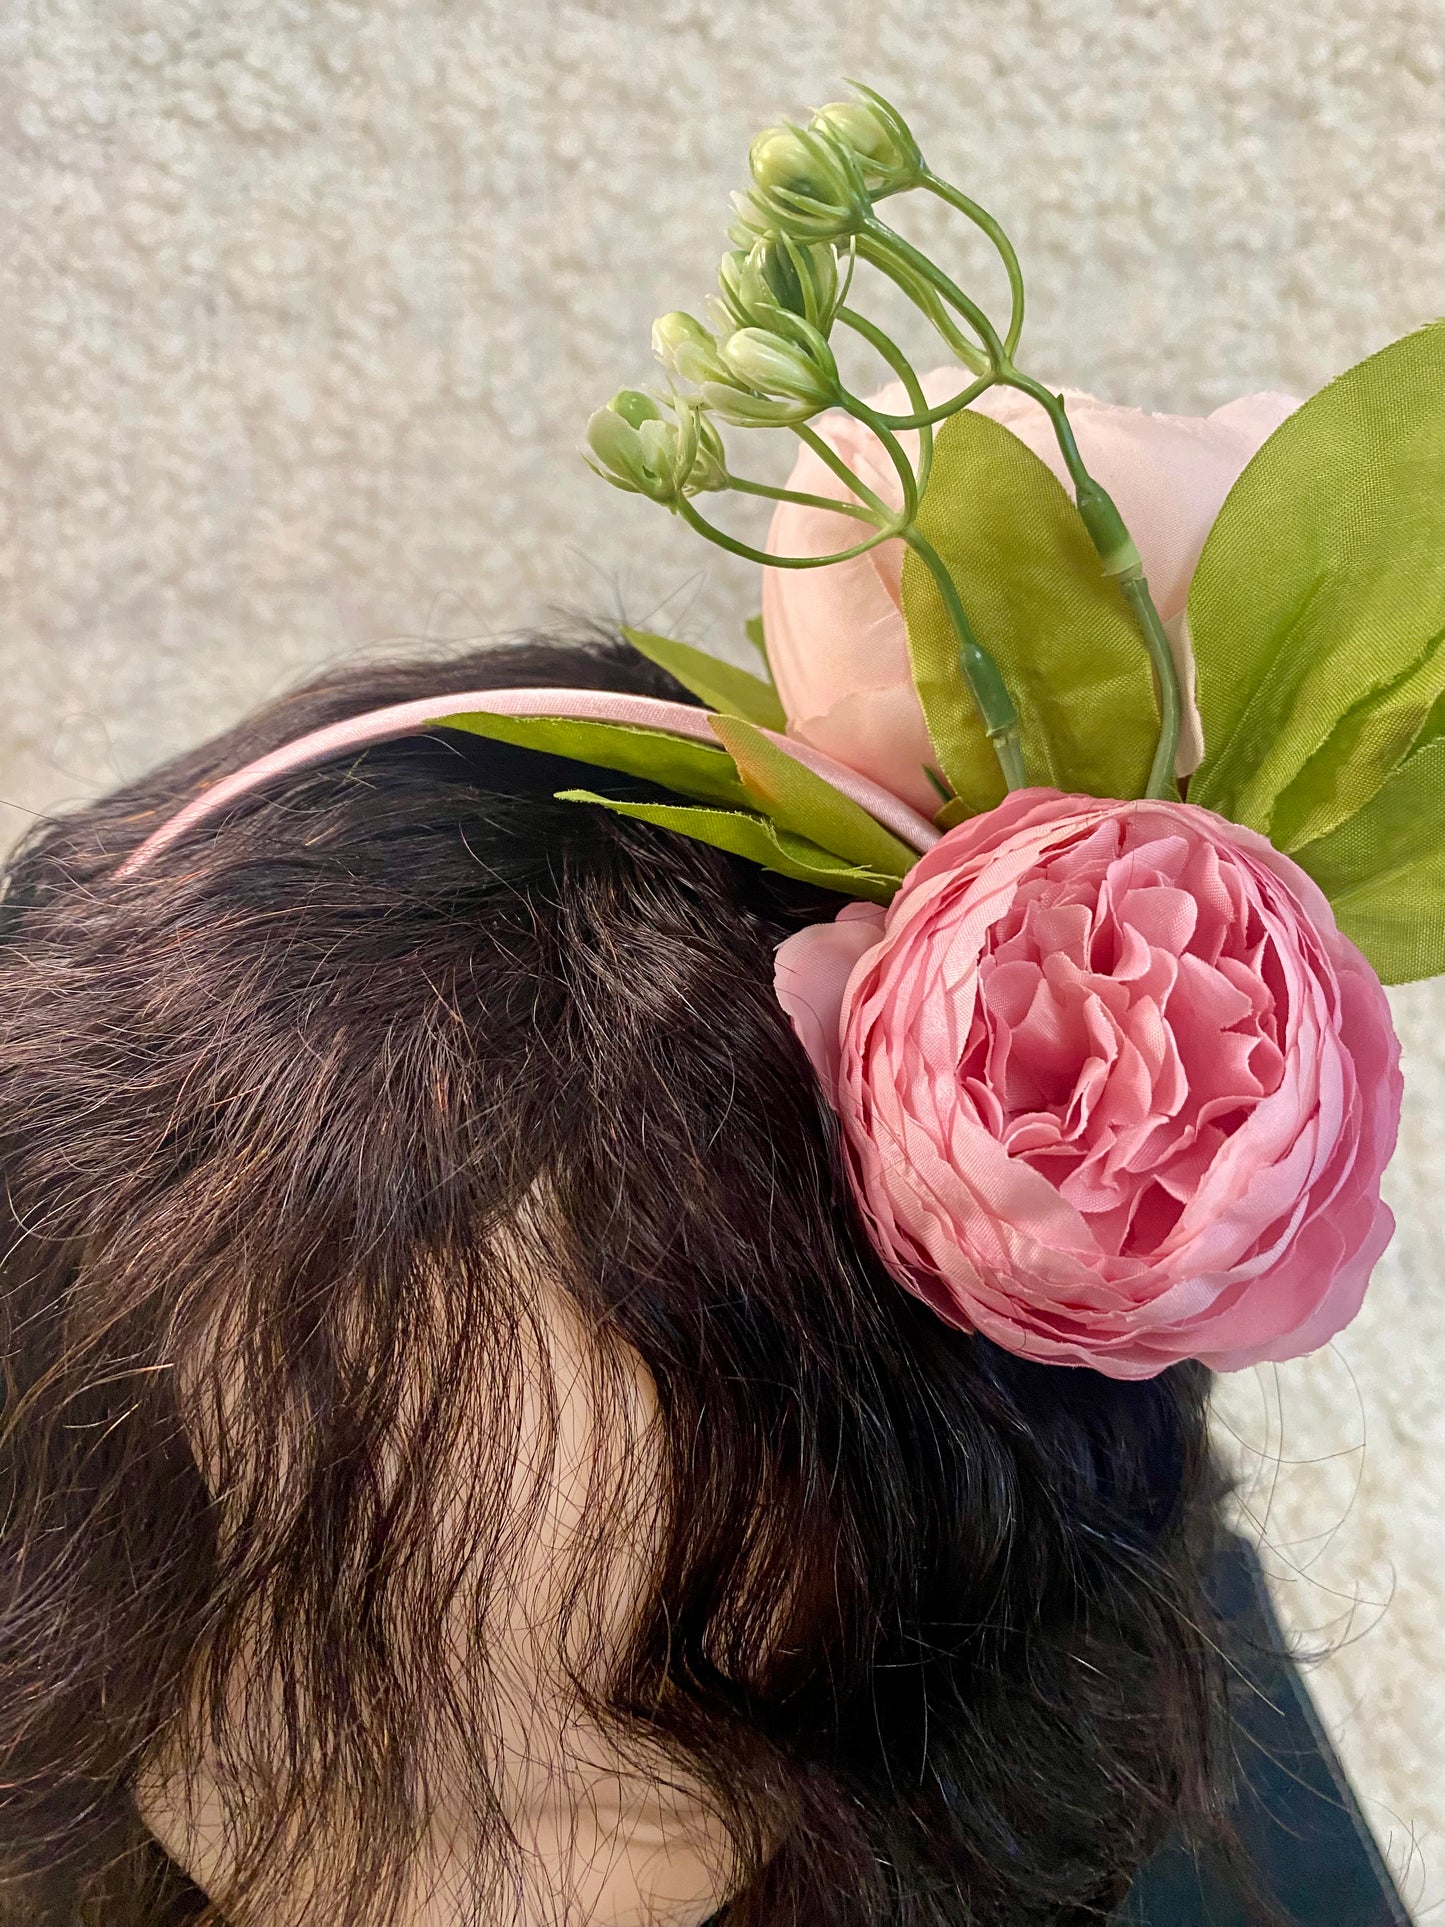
{"type": "Point", "coordinates": [836, 640]}
{"type": "Point", "coordinates": [1114, 1089]}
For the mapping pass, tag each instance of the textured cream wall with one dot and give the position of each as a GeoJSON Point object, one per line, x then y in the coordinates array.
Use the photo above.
{"type": "Point", "coordinates": [304, 306]}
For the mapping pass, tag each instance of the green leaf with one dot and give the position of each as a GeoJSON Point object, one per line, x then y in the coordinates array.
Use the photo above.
{"type": "Point", "coordinates": [794, 798]}
{"type": "Point", "coordinates": [719, 684]}
{"type": "Point", "coordinates": [1058, 629]}
{"type": "Point", "coordinates": [940, 789]}
{"type": "Point", "coordinates": [1317, 612]}
{"type": "Point", "coordinates": [1370, 740]}
{"type": "Point", "coordinates": [753, 630]}
{"type": "Point", "coordinates": [1384, 869]}
{"type": "Point", "coordinates": [673, 762]}
{"type": "Point", "coordinates": [754, 837]}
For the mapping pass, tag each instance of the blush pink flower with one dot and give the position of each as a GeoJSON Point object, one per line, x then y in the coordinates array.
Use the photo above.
{"type": "Point", "coordinates": [837, 645]}
{"type": "Point", "coordinates": [1114, 1089]}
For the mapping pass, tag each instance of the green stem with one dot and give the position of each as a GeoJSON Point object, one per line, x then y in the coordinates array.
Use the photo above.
{"type": "Point", "coordinates": [1053, 405]}
{"type": "Point", "coordinates": [923, 297]}
{"type": "Point", "coordinates": [833, 460]}
{"type": "Point", "coordinates": [742, 486]}
{"type": "Point", "coordinates": [887, 241]}
{"type": "Point", "coordinates": [847, 287]}
{"type": "Point", "coordinates": [889, 350]}
{"type": "Point", "coordinates": [911, 484]}
{"type": "Point", "coordinates": [930, 417]}
{"type": "Point", "coordinates": [981, 218]}
{"type": "Point", "coordinates": [749, 554]}
{"type": "Point", "coordinates": [933, 310]}
{"type": "Point", "coordinates": [1120, 558]}
{"type": "Point", "coordinates": [1161, 773]}
{"type": "Point", "coordinates": [985, 683]}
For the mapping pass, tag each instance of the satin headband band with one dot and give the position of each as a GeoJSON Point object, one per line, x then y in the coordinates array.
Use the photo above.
{"type": "Point", "coordinates": [592, 705]}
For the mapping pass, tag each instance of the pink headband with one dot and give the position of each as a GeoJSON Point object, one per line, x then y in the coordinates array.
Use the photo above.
{"type": "Point", "coordinates": [592, 705]}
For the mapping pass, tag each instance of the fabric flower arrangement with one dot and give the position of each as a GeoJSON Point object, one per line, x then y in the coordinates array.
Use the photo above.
{"type": "Point", "coordinates": [1102, 1020]}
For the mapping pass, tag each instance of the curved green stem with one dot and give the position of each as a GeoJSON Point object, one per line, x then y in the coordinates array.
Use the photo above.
{"type": "Point", "coordinates": [908, 480]}
{"type": "Point", "coordinates": [887, 241]}
{"type": "Point", "coordinates": [749, 554]}
{"type": "Point", "coordinates": [833, 460]}
{"type": "Point", "coordinates": [847, 288]}
{"type": "Point", "coordinates": [982, 219]}
{"type": "Point", "coordinates": [933, 310]}
{"type": "Point", "coordinates": [985, 682]}
{"type": "Point", "coordinates": [742, 486]}
{"type": "Point", "coordinates": [888, 349]}
{"type": "Point", "coordinates": [1053, 405]}
{"type": "Point", "coordinates": [940, 412]}
{"type": "Point", "coordinates": [925, 300]}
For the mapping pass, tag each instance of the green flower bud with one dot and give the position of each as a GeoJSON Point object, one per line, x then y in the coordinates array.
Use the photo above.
{"type": "Point", "coordinates": [774, 365]}
{"type": "Point", "coordinates": [778, 283]}
{"type": "Point", "coordinates": [710, 463]}
{"type": "Point", "coordinates": [620, 458]}
{"type": "Point", "coordinates": [797, 278]}
{"type": "Point", "coordinates": [785, 157]}
{"type": "Point", "coordinates": [770, 278]}
{"type": "Point", "coordinates": [877, 136]}
{"type": "Point", "coordinates": [805, 183]}
{"type": "Point", "coordinates": [686, 349]}
{"type": "Point", "coordinates": [638, 449]}
{"type": "Point", "coordinates": [731, 300]}
{"type": "Point", "coordinates": [746, 410]}
{"type": "Point", "coordinates": [850, 122]}
{"type": "Point", "coordinates": [751, 221]}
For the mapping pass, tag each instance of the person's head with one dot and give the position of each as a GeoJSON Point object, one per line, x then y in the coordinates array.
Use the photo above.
{"type": "Point", "coordinates": [462, 1458]}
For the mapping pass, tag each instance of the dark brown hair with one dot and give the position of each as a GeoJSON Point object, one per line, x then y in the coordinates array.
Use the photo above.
{"type": "Point", "coordinates": [316, 1093]}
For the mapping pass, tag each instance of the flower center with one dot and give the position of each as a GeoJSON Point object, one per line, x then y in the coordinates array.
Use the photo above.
{"type": "Point", "coordinates": [1129, 1019]}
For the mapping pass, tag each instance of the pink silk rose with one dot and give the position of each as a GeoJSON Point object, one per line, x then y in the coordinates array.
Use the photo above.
{"type": "Point", "coordinates": [836, 640]}
{"type": "Point", "coordinates": [1114, 1089]}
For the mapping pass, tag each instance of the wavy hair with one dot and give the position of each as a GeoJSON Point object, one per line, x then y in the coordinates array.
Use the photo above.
{"type": "Point", "coordinates": [291, 1124]}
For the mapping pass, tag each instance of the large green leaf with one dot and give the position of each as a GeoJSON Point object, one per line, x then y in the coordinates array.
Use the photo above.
{"type": "Point", "coordinates": [754, 837]}
{"type": "Point", "coordinates": [1384, 869]}
{"type": "Point", "coordinates": [721, 685]}
{"type": "Point", "coordinates": [1058, 629]}
{"type": "Point", "coordinates": [788, 792]}
{"type": "Point", "coordinates": [1317, 612]}
{"type": "Point", "coordinates": [673, 762]}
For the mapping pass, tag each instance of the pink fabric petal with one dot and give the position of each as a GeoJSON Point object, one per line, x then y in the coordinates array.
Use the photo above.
{"type": "Point", "coordinates": [810, 976]}
{"type": "Point", "coordinates": [880, 733]}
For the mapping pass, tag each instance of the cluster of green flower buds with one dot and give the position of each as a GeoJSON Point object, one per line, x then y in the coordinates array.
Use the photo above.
{"type": "Point", "coordinates": [769, 363]}
{"type": "Point", "coordinates": [664, 449]}
{"type": "Point", "coordinates": [806, 220]}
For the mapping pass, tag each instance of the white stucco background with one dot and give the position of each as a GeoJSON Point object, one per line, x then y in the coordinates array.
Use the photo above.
{"type": "Point", "coordinates": [304, 305]}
